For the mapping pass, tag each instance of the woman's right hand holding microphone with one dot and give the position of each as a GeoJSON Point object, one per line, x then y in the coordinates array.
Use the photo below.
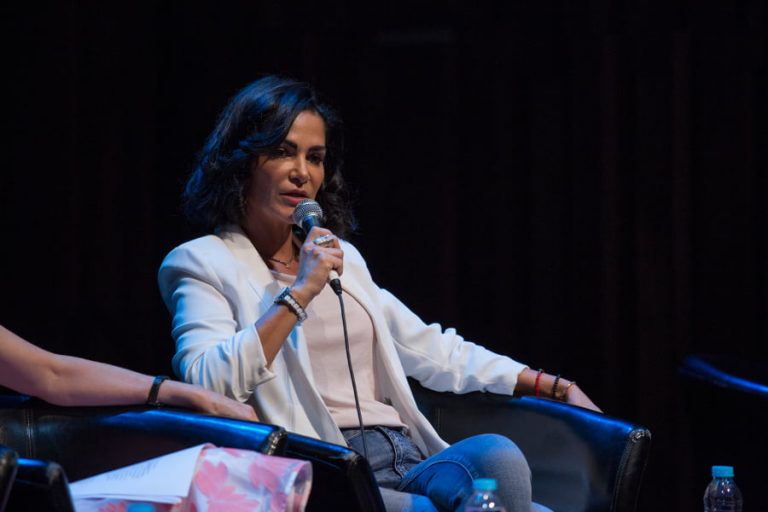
{"type": "Point", "coordinates": [319, 257]}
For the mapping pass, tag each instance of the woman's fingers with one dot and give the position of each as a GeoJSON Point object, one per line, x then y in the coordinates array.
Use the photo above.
{"type": "Point", "coordinates": [234, 409]}
{"type": "Point", "coordinates": [323, 246]}
{"type": "Point", "coordinates": [326, 258]}
{"type": "Point", "coordinates": [578, 397]}
{"type": "Point", "coordinates": [326, 240]}
{"type": "Point", "coordinates": [321, 255]}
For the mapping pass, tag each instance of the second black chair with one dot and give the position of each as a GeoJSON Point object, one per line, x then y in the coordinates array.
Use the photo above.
{"type": "Point", "coordinates": [9, 462]}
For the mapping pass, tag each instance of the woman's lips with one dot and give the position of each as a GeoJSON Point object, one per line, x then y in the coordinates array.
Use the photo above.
{"type": "Point", "coordinates": [294, 199]}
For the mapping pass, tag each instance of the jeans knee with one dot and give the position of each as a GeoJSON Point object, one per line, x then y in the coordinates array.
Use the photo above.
{"type": "Point", "coordinates": [422, 504]}
{"type": "Point", "coordinates": [447, 477]}
{"type": "Point", "coordinates": [497, 455]}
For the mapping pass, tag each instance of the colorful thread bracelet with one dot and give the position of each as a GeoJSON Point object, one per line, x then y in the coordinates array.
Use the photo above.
{"type": "Point", "coordinates": [536, 383]}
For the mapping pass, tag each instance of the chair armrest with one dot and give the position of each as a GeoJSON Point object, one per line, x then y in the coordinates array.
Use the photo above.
{"type": "Point", "coordinates": [580, 460]}
{"type": "Point", "coordinates": [90, 440]}
{"type": "Point", "coordinates": [736, 375]}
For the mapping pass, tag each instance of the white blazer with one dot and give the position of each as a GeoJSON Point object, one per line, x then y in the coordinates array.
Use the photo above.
{"type": "Point", "coordinates": [217, 286]}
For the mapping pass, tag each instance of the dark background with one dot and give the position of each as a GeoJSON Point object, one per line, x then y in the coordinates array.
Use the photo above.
{"type": "Point", "coordinates": [580, 185]}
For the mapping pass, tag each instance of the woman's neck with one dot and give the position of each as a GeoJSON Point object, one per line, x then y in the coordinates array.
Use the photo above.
{"type": "Point", "coordinates": [276, 247]}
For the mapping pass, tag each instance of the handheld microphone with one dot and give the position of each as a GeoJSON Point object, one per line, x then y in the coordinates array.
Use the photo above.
{"type": "Point", "coordinates": [307, 215]}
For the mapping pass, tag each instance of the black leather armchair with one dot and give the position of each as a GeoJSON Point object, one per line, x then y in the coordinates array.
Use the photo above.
{"type": "Point", "coordinates": [581, 461]}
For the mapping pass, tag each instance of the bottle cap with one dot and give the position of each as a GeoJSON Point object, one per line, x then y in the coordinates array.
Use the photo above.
{"type": "Point", "coordinates": [484, 484]}
{"type": "Point", "coordinates": [140, 507]}
{"type": "Point", "coordinates": [722, 471]}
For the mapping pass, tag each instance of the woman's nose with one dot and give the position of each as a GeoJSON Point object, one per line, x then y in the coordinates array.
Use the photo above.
{"type": "Point", "coordinates": [300, 172]}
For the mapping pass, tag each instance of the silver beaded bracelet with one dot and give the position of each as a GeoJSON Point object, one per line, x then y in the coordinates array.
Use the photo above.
{"type": "Point", "coordinates": [286, 299]}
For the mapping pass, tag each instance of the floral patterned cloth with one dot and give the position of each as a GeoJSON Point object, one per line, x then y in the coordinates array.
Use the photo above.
{"type": "Point", "coordinates": [232, 480]}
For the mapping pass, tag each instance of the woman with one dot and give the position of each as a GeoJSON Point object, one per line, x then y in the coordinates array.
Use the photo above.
{"type": "Point", "coordinates": [65, 380]}
{"type": "Point", "coordinates": [253, 316]}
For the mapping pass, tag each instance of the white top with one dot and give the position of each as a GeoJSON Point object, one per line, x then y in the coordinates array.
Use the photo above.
{"type": "Point", "coordinates": [327, 355]}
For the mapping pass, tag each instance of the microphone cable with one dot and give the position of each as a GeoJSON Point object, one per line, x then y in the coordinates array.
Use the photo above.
{"type": "Point", "coordinates": [306, 215]}
{"type": "Point", "coordinates": [337, 291]}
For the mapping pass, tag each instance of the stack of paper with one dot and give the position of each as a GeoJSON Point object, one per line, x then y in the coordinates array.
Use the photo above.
{"type": "Point", "coordinates": [164, 479]}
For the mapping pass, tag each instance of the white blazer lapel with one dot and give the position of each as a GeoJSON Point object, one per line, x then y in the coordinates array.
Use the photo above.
{"type": "Point", "coordinates": [259, 276]}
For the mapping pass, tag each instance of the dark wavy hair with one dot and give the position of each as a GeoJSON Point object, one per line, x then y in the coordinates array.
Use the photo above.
{"type": "Point", "coordinates": [257, 120]}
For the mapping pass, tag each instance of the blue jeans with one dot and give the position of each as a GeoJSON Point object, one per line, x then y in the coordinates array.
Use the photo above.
{"type": "Point", "coordinates": [410, 481]}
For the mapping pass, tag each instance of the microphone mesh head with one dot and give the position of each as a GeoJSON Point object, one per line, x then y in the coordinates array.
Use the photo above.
{"type": "Point", "coordinates": [306, 208]}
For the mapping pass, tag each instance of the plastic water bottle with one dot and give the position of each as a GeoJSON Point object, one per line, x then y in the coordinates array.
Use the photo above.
{"type": "Point", "coordinates": [722, 494]}
{"type": "Point", "coordinates": [484, 498]}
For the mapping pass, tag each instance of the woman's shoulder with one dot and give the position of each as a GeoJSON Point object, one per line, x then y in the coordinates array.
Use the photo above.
{"type": "Point", "coordinates": [203, 247]}
{"type": "Point", "coordinates": [210, 258]}
{"type": "Point", "coordinates": [351, 253]}
{"type": "Point", "coordinates": [224, 243]}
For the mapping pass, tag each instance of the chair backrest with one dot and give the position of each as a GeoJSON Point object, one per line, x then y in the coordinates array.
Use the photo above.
{"type": "Point", "coordinates": [581, 461]}
{"type": "Point", "coordinates": [90, 440]}
{"type": "Point", "coordinates": [9, 462]}
{"type": "Point", "coordinates": [341, 478]}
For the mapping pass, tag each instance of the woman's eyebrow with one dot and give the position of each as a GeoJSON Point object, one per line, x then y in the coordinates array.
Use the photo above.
{"type": "Point", "coordinates": [294, 146]}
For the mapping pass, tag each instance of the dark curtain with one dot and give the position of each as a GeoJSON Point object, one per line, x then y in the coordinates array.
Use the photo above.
{"type": "Point", "coordinates": [580, 185]}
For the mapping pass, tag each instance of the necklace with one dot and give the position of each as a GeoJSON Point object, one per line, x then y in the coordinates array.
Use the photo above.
{"type": "Point", "coordinates": [285, 263]}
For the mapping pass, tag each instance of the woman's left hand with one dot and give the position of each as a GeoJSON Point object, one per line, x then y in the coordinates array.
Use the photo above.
{"type": "Point", "coordinates": [577, 397]}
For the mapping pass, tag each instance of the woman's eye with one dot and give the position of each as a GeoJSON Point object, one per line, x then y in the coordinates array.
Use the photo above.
{"type": "Point", "coordinates": [278, 152]}
{"type": "Point", "coordinates": [316, 159]}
